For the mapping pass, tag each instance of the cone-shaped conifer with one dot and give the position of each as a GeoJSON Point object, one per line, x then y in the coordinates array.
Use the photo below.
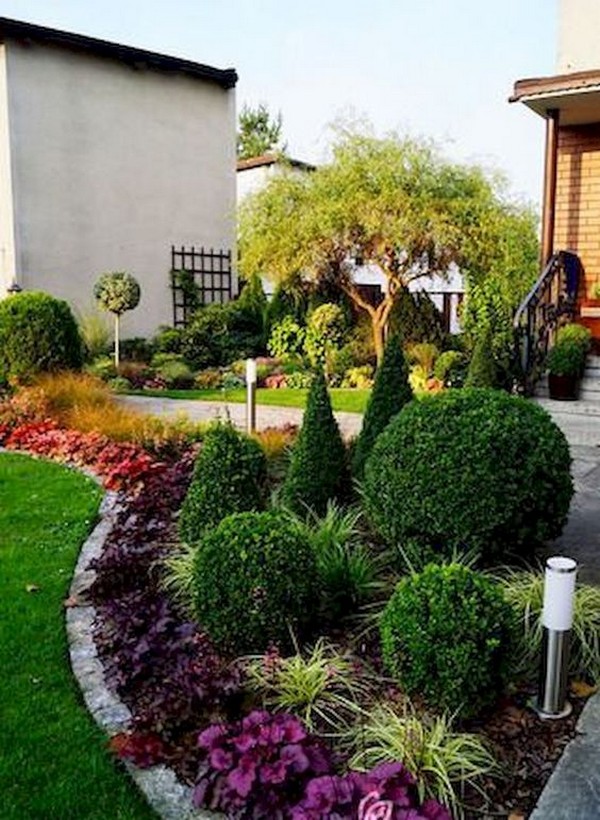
{"type": "Point", "coordinates": [318, 470]}
{"type": "Point", "coordinates": [391, 392]}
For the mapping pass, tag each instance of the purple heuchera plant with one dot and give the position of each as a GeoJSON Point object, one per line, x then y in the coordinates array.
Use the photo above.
{"type": "Point", "coordinates": [258, 767]}
{"type": "Point", "coordinates": [387, 792]}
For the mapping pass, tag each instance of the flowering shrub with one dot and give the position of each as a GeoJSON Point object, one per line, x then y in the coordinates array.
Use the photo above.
{"type": "Point", "coordinates": [388, 792]}
{"type": "Point", "coordinates": [258, 767]}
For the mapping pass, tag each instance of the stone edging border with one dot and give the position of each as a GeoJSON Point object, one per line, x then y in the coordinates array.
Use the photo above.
{"type": "Point", "coordinates": [169, 798]}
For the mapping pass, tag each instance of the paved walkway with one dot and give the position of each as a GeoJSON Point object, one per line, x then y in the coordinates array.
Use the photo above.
{"type": "Point", "coordinates": [266, 416]}
{"type": "Point", "coordinates": [573, 791]}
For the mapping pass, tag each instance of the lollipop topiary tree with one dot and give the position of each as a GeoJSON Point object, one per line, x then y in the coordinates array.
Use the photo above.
{"type": "Point", "coordinates": [117, 292]}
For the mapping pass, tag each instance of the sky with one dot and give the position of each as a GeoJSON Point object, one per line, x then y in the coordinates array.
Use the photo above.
{"type": "Point", "coordinates": [442, 69]}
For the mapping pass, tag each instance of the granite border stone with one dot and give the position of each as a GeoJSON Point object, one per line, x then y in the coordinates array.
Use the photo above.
{"type": "Point", "coordinates": [169, 798]}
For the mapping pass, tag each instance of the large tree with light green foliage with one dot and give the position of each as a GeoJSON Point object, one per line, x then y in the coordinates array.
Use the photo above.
{"type": "Point", "coordinates": [396, 203]}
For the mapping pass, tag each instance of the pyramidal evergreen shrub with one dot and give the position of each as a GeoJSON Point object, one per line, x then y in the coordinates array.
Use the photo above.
{"type": "Point", "coordinates": [229, 477]}
{"type": "Point", "coordinates": [391, 392]}
{"type": "Point", "coordinates": [318, 470]}
{"type": "Point", "coordinates": [482, 368]}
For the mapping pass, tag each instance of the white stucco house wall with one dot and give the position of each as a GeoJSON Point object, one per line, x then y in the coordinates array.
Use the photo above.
{"type": "Point", "coordinates": [253, 174]}
{"type": "Point", "coordinates": [445, 292]}
{"type": "Point", "coordinates": [109, 155]}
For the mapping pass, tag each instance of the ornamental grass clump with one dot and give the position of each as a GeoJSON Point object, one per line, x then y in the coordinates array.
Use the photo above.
{"type": "Point", "coordinates": [391, 392]}
{"type": "Point", "coordinates": [348, 571]}
{"type": "Point", "coordinates": [229, 477]}
{"type": "Point", "coordinates": [525, 593]}
{"type": "Point", "coordinates": [447, 634]}
{"type": "Point", "coordinates": [38, 334]}
{"type": "Point", "coordinates": [322, 686]}
{"type": "Point", "coordinates": [470, 470]}
{"type": "Point", "coordinates": [318, 470]}
{"type": "Point", "coordinates": [442, 760]}
{"type": "Point", "coordinates": [255, 582]}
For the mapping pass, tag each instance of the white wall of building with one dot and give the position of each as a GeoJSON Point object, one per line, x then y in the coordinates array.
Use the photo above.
{"type": "Point", "coordinates": [7, 243]}
{"type": "Point", "coordinates": [110, 166]}
{"type": "Point", "coordinates": [578, 36]}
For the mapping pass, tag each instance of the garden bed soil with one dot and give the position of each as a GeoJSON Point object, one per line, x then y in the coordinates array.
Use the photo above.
{"type": "Point", "coordinates": [527, 748]}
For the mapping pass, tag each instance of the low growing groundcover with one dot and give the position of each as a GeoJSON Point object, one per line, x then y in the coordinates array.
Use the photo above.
{"type": "Point", "coordinates": [54, 763]}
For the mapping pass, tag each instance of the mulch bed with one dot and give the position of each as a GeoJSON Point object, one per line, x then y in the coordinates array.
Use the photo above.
{"type": "Point", "coordinates": [527, 749]}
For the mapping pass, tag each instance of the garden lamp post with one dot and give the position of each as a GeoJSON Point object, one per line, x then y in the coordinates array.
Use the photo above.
{"type": "Point", "coordinates": [557, 620]}
{"type": "Point", "coordinates": [250, 395]}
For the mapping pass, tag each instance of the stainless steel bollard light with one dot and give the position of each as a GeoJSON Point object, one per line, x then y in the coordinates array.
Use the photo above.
{"type": "Point", "coordinates": [557, 620]}
{"type": "Point", "coordinates": [250, 395]}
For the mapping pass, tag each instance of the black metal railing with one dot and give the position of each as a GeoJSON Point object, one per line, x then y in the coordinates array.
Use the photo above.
{"type": "Point", "coordinates": [550, 303]}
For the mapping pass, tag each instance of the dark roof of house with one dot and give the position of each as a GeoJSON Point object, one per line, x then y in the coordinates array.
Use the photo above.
{"type": "Point", "coordinates": [273, 159]}
{"type": "Point", "coordinates": [136, 57]}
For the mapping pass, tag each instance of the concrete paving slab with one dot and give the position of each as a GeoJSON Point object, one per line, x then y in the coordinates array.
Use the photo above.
{"type": "Point", "coordinates": [266, 415]}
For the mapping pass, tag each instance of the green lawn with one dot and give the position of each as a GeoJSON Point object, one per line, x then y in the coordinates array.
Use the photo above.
{"type": "Point", "coordinates": [53, 764]}
{"type": "Point", "coordinates": [342, 399]}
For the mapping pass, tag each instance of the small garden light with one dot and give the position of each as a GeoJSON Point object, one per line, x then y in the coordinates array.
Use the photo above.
{"type": "Point", "coordinates": [13, 288]}
{"type": "Point", "coordinates": [250, 395]}
{"type": "Point", "coordinates": [557, 620]}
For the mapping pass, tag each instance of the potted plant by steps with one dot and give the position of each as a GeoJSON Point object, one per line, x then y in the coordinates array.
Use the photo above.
{"type": "Point", "coordinates": [565, 366]}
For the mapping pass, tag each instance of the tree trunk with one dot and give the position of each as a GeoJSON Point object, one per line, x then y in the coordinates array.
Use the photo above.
{"type": "Point", "coordinates": [378, 337]}
{"type": "Point", "coordinates": [378, 316]}
{"type": "Point", "coordinates": [117, 340]}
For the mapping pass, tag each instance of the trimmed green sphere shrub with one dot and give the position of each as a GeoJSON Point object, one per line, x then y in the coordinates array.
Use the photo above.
{"type": "Point", "coordinates": [38, 334]}
{"type": "Point", "coordinates": [318, 469]}
{"type": "Point", "coordinates": [391, 392]}
{"type": "Point", "coordinates": [229, 477]}
{"type": "Point", "coordinates": [447, 634]}
{"type": "Point", "coordinates": [471, 468]}
{"type": "Point", "coordinates": [255, 581]}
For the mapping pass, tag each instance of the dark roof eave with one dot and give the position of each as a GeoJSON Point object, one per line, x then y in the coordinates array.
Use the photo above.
{"type": "Point", "coordinates": [136, 57]}
{"type": "Point", "coordinates": [273, 159]}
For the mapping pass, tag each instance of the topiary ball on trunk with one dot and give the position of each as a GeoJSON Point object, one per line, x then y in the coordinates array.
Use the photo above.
{"type": "Point", "coordinates": [255, 582]}
{"type": "Point", "coordinates": [38, 334]}
{"type": "Point", "coordinates": [117, 292]}
{"type": "Point", "coordinates": [469, 469]}
{"type": "Point", "coordinates": [318, 469]}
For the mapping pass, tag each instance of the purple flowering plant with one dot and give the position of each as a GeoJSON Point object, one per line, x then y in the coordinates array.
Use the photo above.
{"type": "Point", "coordinates": [387, 792]}
{"type": "Point", "coordinates": [258, 767]}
